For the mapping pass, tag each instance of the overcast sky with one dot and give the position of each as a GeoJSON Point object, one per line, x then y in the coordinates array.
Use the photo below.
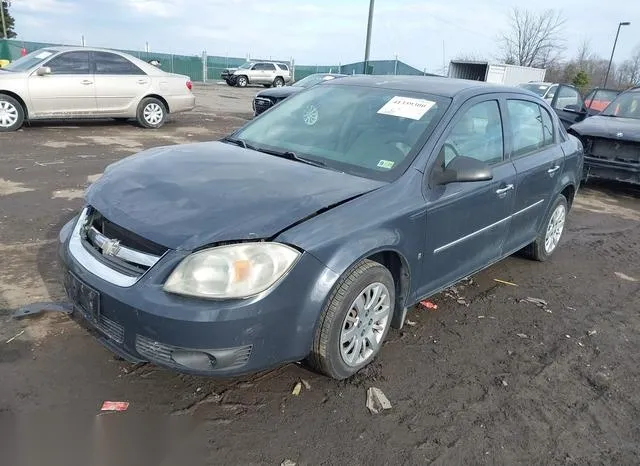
{"type": "Point", "coordinates": [317, 31]}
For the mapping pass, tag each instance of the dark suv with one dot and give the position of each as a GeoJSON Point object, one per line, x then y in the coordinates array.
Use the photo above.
{"type": "Point", "coordinates": [307, 233]}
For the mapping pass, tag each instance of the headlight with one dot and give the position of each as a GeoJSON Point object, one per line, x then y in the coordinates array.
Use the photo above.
{"type": "Point", "coordinates": [233, 271]}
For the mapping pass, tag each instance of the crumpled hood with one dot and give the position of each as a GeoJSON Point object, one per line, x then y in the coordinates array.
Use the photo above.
{"type": "Point", "coordinates": [608, 127]}
{"type": "Point", "coordinates": [188, 196]}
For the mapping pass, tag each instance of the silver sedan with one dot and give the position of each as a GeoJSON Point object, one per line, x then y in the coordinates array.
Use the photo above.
{"type": "Point", "coordinates": [79, 82]}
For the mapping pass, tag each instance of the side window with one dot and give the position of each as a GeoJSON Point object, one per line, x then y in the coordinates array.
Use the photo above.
{"type": "Point", "coordinates": [568, 97]}
{"type": "Point", "coordinates": [551, 93]}
{"type": "Point", "coordinates": [110, 63]}
{"type": "Point", "coordinates": [526, 126]}
{"type": "Point", "coordinates": [547, 126]}
{"type": "Point", "coordinates": [258, 67]}
{"type": "Point", "coordinates": [283, 67]}
{"type": "Point", "coordinates": [478, 135]}
{"type": "Point", "coordinates": [70, 63]}
{"type": "Point", "coordinates": [269, 67]}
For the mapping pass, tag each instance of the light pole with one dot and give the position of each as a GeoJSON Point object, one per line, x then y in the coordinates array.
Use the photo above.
{"type": "Point", "coordinates": [4, 24]}
{"type": "Point", "coordinates": [368, 43]}
{"type": "Point", "coordinates": [606, 78]}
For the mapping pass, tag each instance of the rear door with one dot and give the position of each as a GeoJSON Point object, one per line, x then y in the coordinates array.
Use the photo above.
{"type": "Point", "coordinates": [268, 73]}
{"type": "Point", "coordinates": [467, 223]}
{"type": "Point", "coordinates": [119, 83]}
{"type": "Point", "coordinates": [568, 104]}
{"type": "Point", "coordinates": [538, 158]}
{"type": "Point", "coordinates": [69, 91]}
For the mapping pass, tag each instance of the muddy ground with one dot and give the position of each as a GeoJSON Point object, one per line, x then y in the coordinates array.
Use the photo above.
{"type": "Point", "coordinates": [497, 381]}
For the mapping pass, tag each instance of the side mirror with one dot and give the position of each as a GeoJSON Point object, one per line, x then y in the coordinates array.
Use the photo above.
{"type": "Point", "coordinates": [45, 70]}
{"type": "Point", "coordinates": [464, 169]}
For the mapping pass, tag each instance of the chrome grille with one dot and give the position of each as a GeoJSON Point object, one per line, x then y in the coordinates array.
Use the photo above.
{"type": "Point", "coordinates": [118, 248]}
{"type": "Point", "coordinates": [262, 104]}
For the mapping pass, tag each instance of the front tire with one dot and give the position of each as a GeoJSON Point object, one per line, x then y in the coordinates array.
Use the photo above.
{"type": "Point", "coordinates": [242, 81]}
{"type": "Point", "coordinates": [553, 227]}
{"type": "Point", "coordinates": [11, 114]}
{"type": "Point", "coordinates": [355, 321]}
{"type": "Point", "coordinates": [151, 113]}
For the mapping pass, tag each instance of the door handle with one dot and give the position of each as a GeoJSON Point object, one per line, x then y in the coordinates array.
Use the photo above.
{"type": "Point", "coordinates": [86, 82]}
{"type": "Point", "coordinates": [507, 188]}
{"type": "Point", "coordinates": [553, 169]}
{"type": "Point", "coordinates": [142, 81]}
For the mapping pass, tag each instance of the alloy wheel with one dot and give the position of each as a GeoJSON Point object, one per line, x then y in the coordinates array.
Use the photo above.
{"type": "Point", "coordinates": [555, 228]}
{"type": "Point", "coordinates": [364, 325]}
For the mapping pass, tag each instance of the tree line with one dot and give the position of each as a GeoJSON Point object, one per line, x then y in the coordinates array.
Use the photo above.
{"type": "Point", "coordinates": [538, 39]}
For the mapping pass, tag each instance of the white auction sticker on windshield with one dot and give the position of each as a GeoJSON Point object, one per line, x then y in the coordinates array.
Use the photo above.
{"type": "Point", "coordinates": [43, 55]}
{"type": "Point", "coordinates": [406, 107]}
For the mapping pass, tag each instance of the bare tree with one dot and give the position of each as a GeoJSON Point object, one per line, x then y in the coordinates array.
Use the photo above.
{"type": "Point", "coordinates": [533, 39]}
{"type": "Point", "coordinates": [629, 72]}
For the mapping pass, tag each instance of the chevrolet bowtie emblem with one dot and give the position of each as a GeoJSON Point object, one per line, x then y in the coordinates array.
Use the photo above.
{"type": "Point", "coordinates": [111, 247]}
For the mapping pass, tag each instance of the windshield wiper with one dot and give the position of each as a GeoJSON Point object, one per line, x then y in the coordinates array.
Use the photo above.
{"type": "Point", "coordinates": [289, 155]}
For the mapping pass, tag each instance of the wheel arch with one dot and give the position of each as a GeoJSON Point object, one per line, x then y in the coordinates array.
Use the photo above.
{"type": "Point", "coordinates": [160, 98]}
{"type": "Point", "coordinates": [19, 99]}
{"type": "Point", "coordinates": [389, 257]}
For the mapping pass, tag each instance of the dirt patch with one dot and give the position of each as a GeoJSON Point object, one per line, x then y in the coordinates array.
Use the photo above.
{"type": "Point", "coordinates": [11, 187]}
{"type": "Point", "coordinates": [68, 194]}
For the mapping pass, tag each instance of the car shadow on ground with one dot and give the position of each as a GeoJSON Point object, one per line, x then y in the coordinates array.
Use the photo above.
{"type": "Point", "coordinates": [91, 123]}
{"type": "Point", "coordinates": [613, 188]}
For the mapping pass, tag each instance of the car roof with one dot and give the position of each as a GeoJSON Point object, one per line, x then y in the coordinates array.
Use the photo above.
{"type": "Point", "coordinates": [441, 86]}
{"type": "Point", "coordinates": [68, 48]}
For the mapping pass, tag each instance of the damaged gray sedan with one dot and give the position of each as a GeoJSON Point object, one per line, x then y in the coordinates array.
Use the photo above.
{"type": "Point", "coordinates": [309, 232]}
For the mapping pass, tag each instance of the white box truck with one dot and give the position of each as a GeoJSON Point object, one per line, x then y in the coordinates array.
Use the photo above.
{"type": "Point", "coordinates": [509, 75]}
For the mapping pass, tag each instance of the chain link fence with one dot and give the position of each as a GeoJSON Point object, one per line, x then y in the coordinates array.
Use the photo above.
{"type": "Point", "coordinates": [207, 68]}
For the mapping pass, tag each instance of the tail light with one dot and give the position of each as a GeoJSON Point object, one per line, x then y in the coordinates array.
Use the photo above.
{"type": "Point", "coordinates": [189, 85]}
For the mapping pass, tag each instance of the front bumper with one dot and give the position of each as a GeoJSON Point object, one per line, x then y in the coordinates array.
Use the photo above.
{"type": "Point", "coordinates": [595, 167]}
{"type": "Point", "coordinates": [204, 337]}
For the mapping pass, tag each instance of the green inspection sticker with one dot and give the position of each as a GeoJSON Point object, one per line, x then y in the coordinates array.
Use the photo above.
{"type": "Point", "coordinates": [388, 164]}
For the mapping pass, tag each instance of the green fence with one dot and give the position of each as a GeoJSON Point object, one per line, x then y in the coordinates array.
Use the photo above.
{"type": "Point", "coordinates": [192, 65]}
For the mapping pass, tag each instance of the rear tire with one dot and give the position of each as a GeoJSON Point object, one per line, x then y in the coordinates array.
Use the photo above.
{"type": "Point", "coordinates": [11, 114]}
{"type": "Point", "coordinates": [549, 237]}
{"type": "Point", "coordinates": [151, 113]}
{"type": "Point", "coordinates": [354, 322]}
{"type": "Point", "coordinates": [278, 82]}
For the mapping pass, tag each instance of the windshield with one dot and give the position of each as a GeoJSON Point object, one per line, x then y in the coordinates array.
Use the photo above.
{"type": "Point", "coordinates": [600, 97]}
{"type": "Point", "coordinates": [364, 131]}
{"type": "Point", "coordinates": [626, 105]}
{"type": "Point", "coordinates": [312, 80]}
{"type": "Point", "coordinates": [539, 89]}
{"type": "Point", "coordinates": [29, 61]}
{"type": "Point", "coordinates": [245, 66]}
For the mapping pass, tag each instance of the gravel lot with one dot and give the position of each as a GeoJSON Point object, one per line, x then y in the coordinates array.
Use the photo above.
{"type": "Point", "coordinates": [497, 381]}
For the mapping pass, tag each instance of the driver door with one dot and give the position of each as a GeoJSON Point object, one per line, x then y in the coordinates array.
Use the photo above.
{"type": "Point", "coordinates": [68, 91]}
{"type": "Point", "coordinates": [467, 223]}
{"type": "Point", "coordinates": [569, 106]}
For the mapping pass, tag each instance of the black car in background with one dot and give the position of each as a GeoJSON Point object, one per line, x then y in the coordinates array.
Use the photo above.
{"type": "Point", "coordinates": [611, 140]}
{"type": "Point", "coordinates": [264, 100]}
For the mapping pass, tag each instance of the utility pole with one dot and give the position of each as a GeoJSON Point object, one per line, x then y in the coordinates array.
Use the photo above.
{"type": "Point", "coordinates": [4, 25]}
{"type": "Point", "coordinates": [606, 78]}
{"type": "Point", "coordinates": [368, 43]}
